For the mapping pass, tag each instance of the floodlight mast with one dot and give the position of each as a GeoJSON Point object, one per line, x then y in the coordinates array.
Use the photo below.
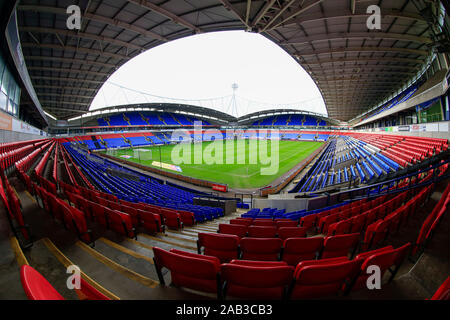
{"type": "Point", "coordinates": [233, 102]}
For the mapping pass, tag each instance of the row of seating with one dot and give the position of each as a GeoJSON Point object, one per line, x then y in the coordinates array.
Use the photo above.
{"type": "Point", "coordinates": [274, 279]}
{"type": "Point", "coordinates": [292, 249]}
{"type": "Point", "coordinates": [174, 219]}
{"type": "Point", "coordinates": [256, 231]}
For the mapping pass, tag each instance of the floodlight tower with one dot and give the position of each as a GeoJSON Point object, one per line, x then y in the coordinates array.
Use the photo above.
{"type": "Point", "coordinates": [233, 102]}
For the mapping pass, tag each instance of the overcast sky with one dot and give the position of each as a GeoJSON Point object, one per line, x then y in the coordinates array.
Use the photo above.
{"type": "Point", "coordinates": [204, 66]}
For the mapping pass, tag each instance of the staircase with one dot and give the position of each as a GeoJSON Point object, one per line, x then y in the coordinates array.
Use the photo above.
{"type": "Point", "coordinates": [144, 118]}
{"type": "Point", "coordinates": [175, 119]}
{"type": "Point", "coordinates": [288, 120]}
{"type": "Point", "coordinates": [127, 141]}
{"type": "Point", "coordinates": [274, 120]}
{"type": "Point", "coordinates": [148, 139]}
{"type": "Point", "coordinates": [95, 141]}
{"type": "Point", "coordinates": [303, 121]}
{"type": "Point", "coordinates": [162, 120]}
{"type": "Point", "coordinates": [126, 119]}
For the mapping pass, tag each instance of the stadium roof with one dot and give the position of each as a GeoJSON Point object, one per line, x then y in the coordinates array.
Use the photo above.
{"type": "Point", "coordinates": [199, 112]}
{"type": "Point", "coordinates": [353, 67]}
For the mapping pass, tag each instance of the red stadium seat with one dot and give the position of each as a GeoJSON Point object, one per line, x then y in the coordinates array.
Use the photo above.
{"type": "Point", "coordinates": [262, 249]}
{"type": "Point", "coordinates": [358, 223]}
{"type": "Point", "coordinates": [286, 224]}
{"type": "Point", "coordinates": [339, 246]}
{"type": "Point", "coordinates": [308, 221]}
{"type": "Point", "coordinates": [256, 281]}
{"type": "Point", "coordinates": [222, 246]}
{"type": "Point", "coordinates": [150, 221]}
{"type": "Point", "coordinates": [262, 232]}
{"type": "Point", "coordinates": [120, 222]}
{"type": "Point", "coordinates": [322, 278]}
{"type": "Point", "coordinates": [99, 214]}
{"type": "Point", "coordinates": [382, 258]}
{"type": "Point", "coordinates": [189, 270]}
{"type": "Point", "coordinates": [234, 229]}
{"type": "Point", "coordinates": [36, 287]}
{"type": "Point", "coordinates": [376, 233]}
{"type": "Point", "coordinates": [171, 219]}
{"type": "Point", "coordinates": [300, 249]}
{"type": "Point", "coordinates": [264, 223]}
{"type": "Point", "coordinates": [326, 221]}
{"type": "Point", "coordinates": [341, 227]}
{"type": "Point", "coordinates": [443, 292]}
{"type": "Point", "coordinates": [244, 222]}
{"type": "Point", "coordinates": [291, 232]}
{"type": "Point", "coordinates": [187, 218]}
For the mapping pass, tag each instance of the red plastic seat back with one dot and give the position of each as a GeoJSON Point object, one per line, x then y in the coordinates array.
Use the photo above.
{"type": "Point", "coordinates": [322, 278]}
{"type": "Point", "coordinates": [264, 223]}
{"type": "Point", "coordinates": [339, 246]}
{"type": "Point", "coordinates": [308, 221]}
{"type": "Point", "coordinates": [286, 224]}
{"type": "Point", "coordinates": [222, 246]}
{"type": "Point", "coordinates": [242, 222]}
{"type": "Point", "coordinates": [341, 227]}
{"type": "Point", "coordinates": [187, 218]}
{"type": "Point", "coordinates": [254, 282]}
{"type": "Point", "coordinates": [234, 229]}
{"type": "Point", "coordinates": [263, 249]}
{"type": "Point", "coordinates": [189, 270]}
{"type": "Point", "coordinates": [357, 223]}
{"type": "Point", "coordinates": [262, 232]}
{"type": "Point", "coordinates": [291, 232]}
{"type": "Point", "coordinates": [443, 292]}
{"type": "Point", "coordinates": [150, 221]}
{"type": "Point", "coordinates": [300, 249]}
{"type": "Point", "coordinates": [36, 287]}
{"type": "Point", "coordinates": [383, 259]}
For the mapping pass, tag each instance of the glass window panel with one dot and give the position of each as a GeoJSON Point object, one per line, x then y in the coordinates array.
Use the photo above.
{"type": "Point", "coordinates": [2, 68]}
{"type": "Point", "coordinates": [12, 89]}
{"type": "Point", "coordinates": [5, 81]}
{"type": "Point", "coordinates": [9, 106]}
{"type": "Point", "coordinates": [17, 98]}
{"type": "Point", "coordinates": [3, 100]}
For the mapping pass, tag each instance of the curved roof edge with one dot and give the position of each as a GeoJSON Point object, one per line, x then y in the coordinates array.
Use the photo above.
{"type": "Point", "coordinates": [200, 112]}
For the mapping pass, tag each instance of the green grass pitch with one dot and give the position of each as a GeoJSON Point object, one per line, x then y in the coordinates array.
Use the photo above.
{"type": "Point", "coordinates": [242, 176]}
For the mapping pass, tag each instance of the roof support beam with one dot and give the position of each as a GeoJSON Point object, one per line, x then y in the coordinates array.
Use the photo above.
{"type": "Point", "coordinates": [72, 80]}
{"type": "Point", "coordinates": [76, 49]}
{"type": "Point", "coordinates": [83, 35]}
{"type": "Point", "coordinates": [230, 7]}
{"type": "Point", "coordinates": [43, 94]}
{"type": "Point", "coordinates": [40, 86]}
{"type": "Point", "coordinates": [113, 22]}
{"type": "Point", "coordinates": [303, 9]}
{"type": "Point", "coordinates": [93, 73]}
{"type": "Point", "coordinates": [358, 35]}
{"type": "Point", "coordinates": [364, 67]}
{"type": "Point", "coordinates": [247, 13]}
{"type": "Point", "coordinates": [365, 59]}
{"type": "Point", "coordinates": [279, 13]}
{"type": "Point", "coordinates": [70, 60]}
{"type": "Point", "coordinates": [165, 13]}
{"type": "Point", "coordinates": [308, 53]}
{"type": "Point", "coordinates": [317, 17]}
{"type": "Point", "coordinates": [262, 12]}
